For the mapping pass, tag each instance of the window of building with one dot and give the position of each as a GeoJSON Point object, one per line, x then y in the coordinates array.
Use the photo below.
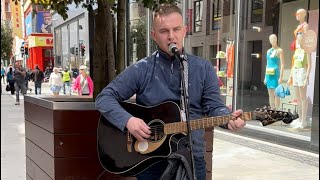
{"type": "Point", "coordinates": [256, 11]}
{"type": "Point", "coordinates": [198, 5]}
{"type": "Point", "coordinates": [198, 51]}
{"type": "Point", "coordinates": [228, 7]}
{"type": "Point", "coordinates": [7, 7]}
{"type": "Point", "coordinates": [216, 15]}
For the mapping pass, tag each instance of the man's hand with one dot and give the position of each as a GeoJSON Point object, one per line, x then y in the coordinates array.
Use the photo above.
{"type": "Point", "coordinates": [138, 128]}
{"type": "Point", "coordinates": [238, 123]}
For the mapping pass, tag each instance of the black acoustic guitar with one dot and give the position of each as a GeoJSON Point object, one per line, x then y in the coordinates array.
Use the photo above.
{"type": "Point", "coordinates": [120, 153]}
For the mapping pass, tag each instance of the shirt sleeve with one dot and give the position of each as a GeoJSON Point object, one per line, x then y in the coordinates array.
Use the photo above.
{"type": "Point", "coordinates": [211, 99]}
{"type": "Point", "coordinates": [122, 88]}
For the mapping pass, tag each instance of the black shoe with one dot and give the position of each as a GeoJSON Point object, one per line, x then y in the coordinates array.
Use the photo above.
{"type": "Point", "coordinates": [17, 103]}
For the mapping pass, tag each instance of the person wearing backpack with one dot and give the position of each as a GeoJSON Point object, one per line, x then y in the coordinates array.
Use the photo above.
{"type": "Point", "coordinates": [37, 76]}
{"type": "Point", "coordinates": [10, 80]}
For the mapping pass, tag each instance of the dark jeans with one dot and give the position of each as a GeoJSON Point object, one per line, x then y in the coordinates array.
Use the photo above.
{"type": "Point", "coordinates": [154, 172]}
{"type": "Point", "coordinates": [18, 86]}
{"type": "Point", "coordinates": [37, 86]}
{"type": "Point", "coordinates": [11, 84]}
{"type": "Point", "coordinates": [66, 86]}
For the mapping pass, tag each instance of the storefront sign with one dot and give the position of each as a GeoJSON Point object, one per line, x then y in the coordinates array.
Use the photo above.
{"type": "Point", "coordinates": [16, 19]}
{"type": "Point", "coordinates": [309, 41]}
{"type": "Point", "coordinates": [35, 41]}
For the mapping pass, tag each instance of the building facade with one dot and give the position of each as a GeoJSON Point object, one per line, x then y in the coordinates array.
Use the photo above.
{"type": "Point", "coordinates": [71, 39]}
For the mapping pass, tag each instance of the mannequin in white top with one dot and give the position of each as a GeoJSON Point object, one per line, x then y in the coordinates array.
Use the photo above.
{"type": "Point", "coordinates": [275, 63]}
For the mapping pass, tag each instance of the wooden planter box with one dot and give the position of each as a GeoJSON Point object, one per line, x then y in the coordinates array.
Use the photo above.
{"type": "Point", "coordinates": [61, 140]}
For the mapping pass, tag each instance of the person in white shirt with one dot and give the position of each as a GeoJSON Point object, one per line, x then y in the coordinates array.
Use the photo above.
{"type": "Point", "coordinates": [55, 81]}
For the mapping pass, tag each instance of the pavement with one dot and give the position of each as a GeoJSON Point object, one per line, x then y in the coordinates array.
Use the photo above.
{"type": "Point", "coordinates": [235, 157]}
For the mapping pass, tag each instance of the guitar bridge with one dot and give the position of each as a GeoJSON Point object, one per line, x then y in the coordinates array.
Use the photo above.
{"type": "Point", "coordinates": [129, 142]}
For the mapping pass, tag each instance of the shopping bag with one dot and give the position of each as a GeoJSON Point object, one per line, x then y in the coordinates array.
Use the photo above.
{"type": "Point", "coordinates": [280, 91]}
{"type": "Point", "coordinates": [287, 92]}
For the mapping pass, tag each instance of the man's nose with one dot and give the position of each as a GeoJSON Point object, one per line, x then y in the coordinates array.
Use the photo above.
{"type": "Point", "coordinates": [171, 35]}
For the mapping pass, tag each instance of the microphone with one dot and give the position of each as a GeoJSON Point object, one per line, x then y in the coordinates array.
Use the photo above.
{"type": "Point", "coordinates": [173, 48]}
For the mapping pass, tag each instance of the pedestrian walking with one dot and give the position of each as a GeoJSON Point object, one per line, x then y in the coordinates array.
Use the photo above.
{"type": "Point", "coordinates": [55, 81]}
{"type": "Point", "coordinates": [83, 83]}
{"type": "Point", "coordinates": [3, 73]}
{"type": "Point", "coordinates": [37, 77]}
{"type": "Point", "coordinates": [66, 79]}
{"type": "Point", "coordinates": [10, 80]}
{"type": "Point", "coordinates": [19, 78]}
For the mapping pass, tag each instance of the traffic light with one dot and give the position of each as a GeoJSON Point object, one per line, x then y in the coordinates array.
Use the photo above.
{"type": "Point", "coordinates": [22, 50]}
{"type": "Point", "coordinates": [72, 50]}
{"type": "Point", "coordinates": [83, 50]}
{"type": "Point", "coordinates": [26, 52]}
{"type": "Point", "coordinates": [77, 51]}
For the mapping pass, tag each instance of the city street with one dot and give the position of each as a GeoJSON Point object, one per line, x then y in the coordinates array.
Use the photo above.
{"type": "Point", "coordinates": [234, 157]}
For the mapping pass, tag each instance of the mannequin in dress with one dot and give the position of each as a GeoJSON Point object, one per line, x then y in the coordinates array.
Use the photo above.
{"type": "Point", "coordinates": [274, 70]}
{"type": "Point", "coordinates": [299, 76]}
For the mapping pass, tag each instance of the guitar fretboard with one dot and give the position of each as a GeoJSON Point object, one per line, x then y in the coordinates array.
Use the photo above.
{"type": "Point", "coordinates": [204, 123]}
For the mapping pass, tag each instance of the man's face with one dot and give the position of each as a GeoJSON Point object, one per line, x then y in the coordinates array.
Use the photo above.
{"type": "Point", "coordinates": [168, 29]}
{"type": "Point", "coordinates": [17, 65]}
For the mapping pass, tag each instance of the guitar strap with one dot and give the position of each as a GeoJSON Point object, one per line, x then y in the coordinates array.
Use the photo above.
{"type": "Point", "coordinates": [183, 106]}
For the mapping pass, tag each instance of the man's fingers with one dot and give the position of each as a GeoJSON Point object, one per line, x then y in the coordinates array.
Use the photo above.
{"type": "Point", "coordinates": [237, 113]}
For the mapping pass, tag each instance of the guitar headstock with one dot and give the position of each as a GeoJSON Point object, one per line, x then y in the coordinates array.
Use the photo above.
{"type": "Point", "coordinates": [268, 116]}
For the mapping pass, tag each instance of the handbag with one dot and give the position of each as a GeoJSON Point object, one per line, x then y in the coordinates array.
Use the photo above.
{"type": "Point", "coordinates": [270, 71]}
{"type": "Point", "coordinates": [7, 87]}
{"type": "Point", "coordinates": [280, 91]}
{"type": "Point", "coordinates": [287, 92]}
{"type": "Point", "coordinates": [293, 45]}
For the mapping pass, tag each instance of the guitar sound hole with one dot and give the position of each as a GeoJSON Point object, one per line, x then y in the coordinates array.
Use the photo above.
{"type": "Point", "coordinates": [157, 132]}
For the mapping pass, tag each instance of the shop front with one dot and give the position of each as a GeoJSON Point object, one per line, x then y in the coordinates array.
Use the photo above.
{"type": "Point", "coordinates": [40, 48]}
{"type": "Point", "coordinates": [250, 43]}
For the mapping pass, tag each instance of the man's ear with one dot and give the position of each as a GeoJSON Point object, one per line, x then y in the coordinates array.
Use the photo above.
{"type": "Point", "coordinates": [153, 35]}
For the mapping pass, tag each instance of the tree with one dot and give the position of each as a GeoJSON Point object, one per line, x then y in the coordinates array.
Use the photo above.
{"type": "Point", "coordinates": [105, 62]}
{"type": "Point", "coordinates": [6, 41]}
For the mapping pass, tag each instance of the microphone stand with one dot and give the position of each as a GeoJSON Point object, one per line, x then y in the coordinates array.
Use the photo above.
{"type": "Point", "coordinates": [185, 99]}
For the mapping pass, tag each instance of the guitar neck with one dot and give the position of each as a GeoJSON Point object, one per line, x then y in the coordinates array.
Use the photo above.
{"type": "Point", "coordinates": [178, 127]}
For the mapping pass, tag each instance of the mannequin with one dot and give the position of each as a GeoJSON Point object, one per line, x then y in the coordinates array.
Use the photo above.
{"type": "Point", "coordinates": [299, 75]}
{"type": "Point", "coordinates": [303, 25]}
{"type": "Point", "coordinates": [274, 71]}
{"type": "Point", "coordinates": [301, 28]}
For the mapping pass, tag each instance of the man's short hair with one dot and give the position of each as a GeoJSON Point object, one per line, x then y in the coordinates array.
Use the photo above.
{"type": "Point", "coordinates": [166, 9]}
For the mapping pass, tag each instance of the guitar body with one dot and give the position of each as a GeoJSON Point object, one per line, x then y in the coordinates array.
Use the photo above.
{"type": "Point", "coordinates": [114, 146]}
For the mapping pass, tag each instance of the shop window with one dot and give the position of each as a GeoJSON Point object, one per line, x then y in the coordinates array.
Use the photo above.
{"type": "Point", "coordinates": [216, 24]}
{"type": "Point", "coordinates": [256, 11]}
{"type": "Point", "coordinates": [198, 5]}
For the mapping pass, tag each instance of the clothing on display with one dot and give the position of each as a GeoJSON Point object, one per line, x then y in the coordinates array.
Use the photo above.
{"type": "Point", "coordinates": [230, 59]}
{"type": "Point", "coordinates": [272, 69]}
